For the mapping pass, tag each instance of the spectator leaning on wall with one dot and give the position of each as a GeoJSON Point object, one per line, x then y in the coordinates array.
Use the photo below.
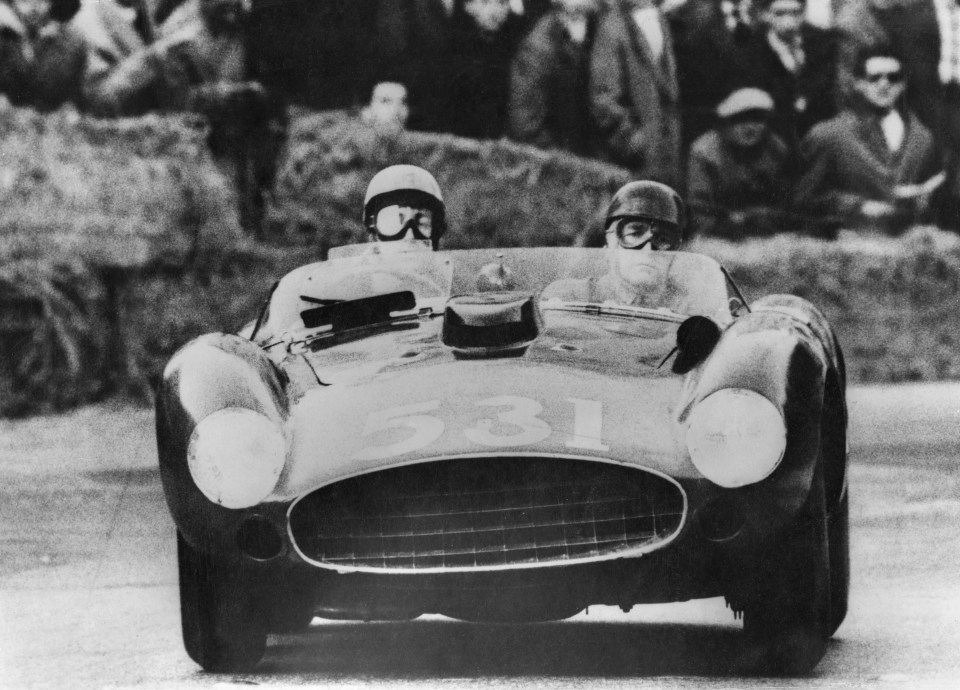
{"type": "Point", "coordinates": [634, 92]}
{"type": "Point", "coordinates": [199, 62]}
{"type": "Point", "coordinates": [873, 166]}
{"type": "Point", "coordinates": [111, 31]}
{"type": "Point", "coordinates": [41, 57]}
{"type": "Point", "coordinates": [738, 181]}
{"type": "Point", "coordinates": [549, 99]}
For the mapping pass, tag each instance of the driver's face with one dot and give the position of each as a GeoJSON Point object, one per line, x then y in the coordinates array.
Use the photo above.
{"type": "Point", "coordinates": [640, 270]}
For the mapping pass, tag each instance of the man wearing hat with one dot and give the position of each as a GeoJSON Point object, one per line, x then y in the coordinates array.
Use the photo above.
{"type": "Point", "coordinates": [738, 173]}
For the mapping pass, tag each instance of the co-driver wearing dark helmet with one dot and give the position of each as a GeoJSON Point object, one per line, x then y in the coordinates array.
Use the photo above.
{"type": "Point", "coordinates": [643, 217]}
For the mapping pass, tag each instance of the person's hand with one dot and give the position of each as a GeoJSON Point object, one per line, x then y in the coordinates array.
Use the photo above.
{"type": "Point", "coordinates": [872, 208]}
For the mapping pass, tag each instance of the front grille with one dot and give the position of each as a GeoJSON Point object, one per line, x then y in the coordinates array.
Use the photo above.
{"type": "Point", "coordinates": [477, 513]}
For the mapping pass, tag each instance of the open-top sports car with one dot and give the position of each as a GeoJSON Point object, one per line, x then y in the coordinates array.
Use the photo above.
{"type": "Point", "coordinates": [508, 435]}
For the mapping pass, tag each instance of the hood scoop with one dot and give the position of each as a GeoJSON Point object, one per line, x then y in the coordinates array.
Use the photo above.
{"type": "Point", "coordinates": [491, 324]}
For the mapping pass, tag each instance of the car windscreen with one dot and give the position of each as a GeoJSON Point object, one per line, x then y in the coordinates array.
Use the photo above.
{"type": "Point", "coordinates": [681, 283]}
{"type": "Point", "coordinates": [309, 296]}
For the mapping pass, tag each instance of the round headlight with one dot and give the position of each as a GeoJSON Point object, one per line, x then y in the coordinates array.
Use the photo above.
{"type": "Point", "coordinates": [736, 437]}
{"type": "Point", "coordinates": [236, 456]}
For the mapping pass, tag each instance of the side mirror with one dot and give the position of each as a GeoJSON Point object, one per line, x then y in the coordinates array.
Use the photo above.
{"type": "Point", "coordinates": [696, 338]}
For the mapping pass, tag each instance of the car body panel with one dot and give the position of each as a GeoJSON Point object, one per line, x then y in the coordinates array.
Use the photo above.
{"type": "Point", "coordinates": [596, 384]}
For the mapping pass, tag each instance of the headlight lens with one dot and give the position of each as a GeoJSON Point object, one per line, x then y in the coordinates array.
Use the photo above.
{"type": "Point", "coordinates": [236, 456]}
{"type": "Point", "coordinates": [736, 437]}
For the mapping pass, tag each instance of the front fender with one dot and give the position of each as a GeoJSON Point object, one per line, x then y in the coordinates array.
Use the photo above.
{"type": "Point", "coordinates": [773, 354]}
{"type": "Point", "coordinates": [211, 373]}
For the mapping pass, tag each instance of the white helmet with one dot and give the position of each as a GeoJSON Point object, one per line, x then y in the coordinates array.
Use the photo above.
{"type": "Point", "coordinates": [411, 185]}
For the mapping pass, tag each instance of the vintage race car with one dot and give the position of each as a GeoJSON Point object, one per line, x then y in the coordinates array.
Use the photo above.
{"type": "Point", "coordinates": [484, 434]}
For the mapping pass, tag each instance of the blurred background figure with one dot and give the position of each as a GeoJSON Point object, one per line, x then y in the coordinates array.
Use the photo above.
{"type": "Point", "coordinates": [387, 110]}
{"type": "Point", "coordinates": [549, 92]}
{"type": "Point", "coordinates": [476, 81]}
{"type": "Point", "coordinates": [795, 62]}
{"type": "Point", "coordinates": [872, 167]}
{"type": "Point", "coordinates": [926, 36]}
{"type": "Point", "coordinates": [710, 41]}
{"type": "Point", "coordinates": [197, 61]}
{"type": "Point", "coordinates": [413, 39]}
{"type": "Point", "coordinates": [41, 58]}
{"type": "Point", "coordinates": [111, 31]}
{"type": "Point", "coordinates": [738, 173]}
{"type": "Point", "coordinates": [634, 92]}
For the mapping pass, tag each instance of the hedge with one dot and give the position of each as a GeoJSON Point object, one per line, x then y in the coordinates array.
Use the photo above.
{"type": "Point", "coordinates": [86, 205]}
{"type": "Point", "coordinates": [89, 205]}
{"type": "Point", "coordinates": [497, 193]}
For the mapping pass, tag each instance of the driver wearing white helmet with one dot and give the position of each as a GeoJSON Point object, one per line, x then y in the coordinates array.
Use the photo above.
{"type": "Point", "coordinates": [404, 208]}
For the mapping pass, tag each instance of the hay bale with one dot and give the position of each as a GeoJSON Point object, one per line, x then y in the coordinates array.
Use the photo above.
{"type": "Point", "coordinates": [892, 300]}
{"type": "Point", "coordinates": [52, 348]}
{"type": "Point", "coordinates": [498, 193]}
{"type": "Point", "coordinates": [122, 194]}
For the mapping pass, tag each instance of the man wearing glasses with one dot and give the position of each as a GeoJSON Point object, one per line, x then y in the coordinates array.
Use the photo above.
{"type": "Point", "coordinates": [873, 166]}
{"type": "Point", "coordinates": [643, 217]}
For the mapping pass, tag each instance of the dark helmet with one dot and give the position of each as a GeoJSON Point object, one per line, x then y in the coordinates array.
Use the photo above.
{"type": "Point", "coordinates": [649, 200]}
{"type": "Point", "coordinates": [409, 184]}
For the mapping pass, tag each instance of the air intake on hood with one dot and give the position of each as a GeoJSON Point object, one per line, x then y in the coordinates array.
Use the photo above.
{"type": "Point", "coordinates": [491, 324]}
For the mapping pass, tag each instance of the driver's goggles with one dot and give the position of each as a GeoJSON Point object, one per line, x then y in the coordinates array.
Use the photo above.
{"type": "Point", "coordinates": [394, 224]}
{"type": "Point", "coordinates": [638, 233]}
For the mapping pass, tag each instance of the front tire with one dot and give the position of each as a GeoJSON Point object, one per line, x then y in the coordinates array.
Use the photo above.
{"type": "Point", "coordinates": [787, 619]}
{"type": "Point", "coordinates": [838, 531]}
{"type": "Point", "coordinates": [223, 630]}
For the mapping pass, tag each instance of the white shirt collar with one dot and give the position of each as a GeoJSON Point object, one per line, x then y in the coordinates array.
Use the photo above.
{"type": "Point", "coordinates": [894, 129]}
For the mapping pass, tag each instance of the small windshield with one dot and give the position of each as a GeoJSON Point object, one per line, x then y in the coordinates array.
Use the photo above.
{"type": "Point", "coordinates": [677, 284]}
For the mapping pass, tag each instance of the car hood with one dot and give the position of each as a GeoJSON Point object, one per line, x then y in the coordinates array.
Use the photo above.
{"type": "Point", "coordinates": [375, 417]}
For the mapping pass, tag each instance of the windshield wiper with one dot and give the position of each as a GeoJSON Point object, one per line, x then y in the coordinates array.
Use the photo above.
{"type": "Point", "coordinates": [346, 314]}
{"type": "Point", "coordinates": [609, 309]}
{"type": "Point", "coordinates": [351, 319]}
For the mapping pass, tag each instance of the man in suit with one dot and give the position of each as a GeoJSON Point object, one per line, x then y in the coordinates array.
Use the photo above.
{"type": "Point", "coordinates": [413, 38]}
{"type": "Point", "coordinates": [866, 168]}
{"type": "Point", "coordinates": [795, 62]}
{"type": "Point", "coordinates": [926, 36]}
{"type": "Point", "coordinates": [710, 42]}
{"type": "Point", "coordinates": [549, 100]}
{"type": "Point", "coordinates": [634, 92]}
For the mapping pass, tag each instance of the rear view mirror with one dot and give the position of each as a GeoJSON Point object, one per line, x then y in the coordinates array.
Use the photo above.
{"type": "Point", "coordinates": [696, 338]}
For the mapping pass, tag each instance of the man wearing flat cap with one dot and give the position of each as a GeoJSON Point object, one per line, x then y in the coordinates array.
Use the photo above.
{"type": "Point", "coordinates": [737, 173]}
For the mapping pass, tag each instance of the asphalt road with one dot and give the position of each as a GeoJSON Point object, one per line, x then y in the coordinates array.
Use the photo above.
{"type": "Point", "coordinates": [88, 580]}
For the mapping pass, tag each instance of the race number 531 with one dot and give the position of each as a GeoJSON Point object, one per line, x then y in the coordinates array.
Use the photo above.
{"type": "Point", "coordinates": [504, 421]}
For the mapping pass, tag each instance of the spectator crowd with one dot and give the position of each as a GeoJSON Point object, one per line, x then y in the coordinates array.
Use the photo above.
{"type": "Point", "coordinates": [765, 121]}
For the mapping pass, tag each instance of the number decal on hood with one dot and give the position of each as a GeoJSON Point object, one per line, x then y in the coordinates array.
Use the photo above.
{"type": "Point", "coordinates": [522, 415]}
{"type": "Point", "coordinates": [426, 429]}
{"type": "Point", "coordinates": [406, 429]}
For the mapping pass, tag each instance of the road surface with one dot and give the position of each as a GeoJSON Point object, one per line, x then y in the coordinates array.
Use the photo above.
{"type": "Point", "coordinates": [88, 593]}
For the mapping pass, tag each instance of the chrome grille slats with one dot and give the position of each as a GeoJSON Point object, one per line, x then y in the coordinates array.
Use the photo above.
{"type": "Point", "coordinates": [486, 513]}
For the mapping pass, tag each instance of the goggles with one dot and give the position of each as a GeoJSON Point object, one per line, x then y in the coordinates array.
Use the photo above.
{"type": "Point", "coordinates": [892, 77]}
{"type": "Point", "coordinates": [637, 233]}
{"type": "Point", "coordinates": [396, 222]}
